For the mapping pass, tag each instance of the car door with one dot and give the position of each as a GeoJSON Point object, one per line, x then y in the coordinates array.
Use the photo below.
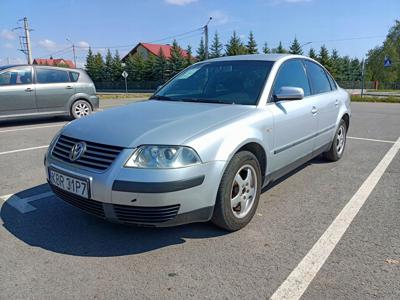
{"type": "Point", "coordinates": [17, 92]}
{"type": "Point", "coordinates": [53, 89]}
{"type": "Point", "coordinates": [327, 103]}
{"type": "Point", "coordinates": [295, 122]}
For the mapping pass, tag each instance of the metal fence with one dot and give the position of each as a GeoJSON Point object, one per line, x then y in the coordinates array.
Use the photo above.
{"type": "Point", "coordinates": [132, 86]}
{"type": "Point", "coordinates": [151, 86]}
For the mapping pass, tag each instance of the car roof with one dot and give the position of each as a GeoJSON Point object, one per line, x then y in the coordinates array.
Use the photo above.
{"type": "Point", "coordinates": [266, 57]}
{"type": "Point", "coordinates": [39, 66]}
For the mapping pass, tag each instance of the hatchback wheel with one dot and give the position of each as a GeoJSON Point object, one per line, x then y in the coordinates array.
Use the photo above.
{"type": "Point", "coordinates": [80, 109]}
{"type": "Point", "coordinates": [338, 144]}
{"type": "Point", "coordinates": [238, 193]}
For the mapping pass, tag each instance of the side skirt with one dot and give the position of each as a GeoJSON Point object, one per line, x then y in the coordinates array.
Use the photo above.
{"type": "Point", "coordinates": [283, 171]}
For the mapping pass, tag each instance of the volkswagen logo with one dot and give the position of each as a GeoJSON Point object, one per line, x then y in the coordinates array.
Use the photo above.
{"type": "Point", "coordinates": [77, 151]}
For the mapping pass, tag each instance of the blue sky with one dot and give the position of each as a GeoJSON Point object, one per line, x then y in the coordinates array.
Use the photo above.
{"type": "Point", "coordinates": [103, 24]}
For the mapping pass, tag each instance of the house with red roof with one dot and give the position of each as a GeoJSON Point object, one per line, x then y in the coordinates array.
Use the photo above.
{"type": "Point", "coordinates": [146, 49]}
{"type": "Point", "coordinates": [54, 62]}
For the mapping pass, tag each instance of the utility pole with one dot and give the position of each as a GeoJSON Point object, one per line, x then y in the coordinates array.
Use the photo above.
{"type": "Point", "coordinates": [25, 40]}
{"type": "Point", "coordinates": [206, 38]}
{"type": "Point", "coordinates": [28, 40]}
{"type": "Point", "coordinates": [73, 50]}
{"type": "Point", "coordinates": [362, 77]}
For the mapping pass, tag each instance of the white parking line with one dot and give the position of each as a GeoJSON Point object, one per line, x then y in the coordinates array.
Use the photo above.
{"type": "Point", "coordinates": [22, 204]}
{"type": "Point", "coordinates": [25, 149]}
{"type": "Point", "coordinates": [297, 282]}
{"type": "Point", "coordinates": [371, 140]}
{"type": "Point", "coordinates": [31, 128]}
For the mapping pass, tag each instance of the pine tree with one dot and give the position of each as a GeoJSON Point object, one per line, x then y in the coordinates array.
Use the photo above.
{"type": "Point", "coordinates": [189, 58]}
{"type": "Point", "coordinates": [98, 68]}
{"type": "Point", "coordinates": [323, 57]}
{"type": "Point", "coordinates": [161, 66]}
{"type": "Point", "coordinates": [177, 61]}
{"type": "Point", "coordinates": [235, 46]}
{"type": "Point", "coordinates": [280, 49]}
{"type": "Point", "coordinates": [216, 47]}
{"type": "Point", "coordinates": [116, 67]}
{"type": "Point", "coordinates": [295, 48]}
{"type": "Point", "coordinates": [335, 64]}
{"type": "Point", "coordinates": [251, 44]}
{"type": "Point", "coordinates": [135, 67]}
{"type": "Point", "coordinates": [90, 66]}
{"type": "Point", "coordinates": [108, 76]}
{"type": "Point", "coordinates": [201, 51]}
{"type": "Point", "coordinates": [312, 54]}
{"type": "Point", "coordinates": [265, 49]}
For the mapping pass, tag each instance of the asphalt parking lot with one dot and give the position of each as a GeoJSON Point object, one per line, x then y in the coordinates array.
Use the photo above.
{"type": "Point", "coordinates": [51, 250]}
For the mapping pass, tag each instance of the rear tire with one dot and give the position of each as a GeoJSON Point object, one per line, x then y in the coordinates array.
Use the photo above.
{"type": "Point", "coordinates": [238, 193]}
{"type": "Point", "coordinates": [339, 142]}
{"type": "Point", "coordinates": [80, 108]}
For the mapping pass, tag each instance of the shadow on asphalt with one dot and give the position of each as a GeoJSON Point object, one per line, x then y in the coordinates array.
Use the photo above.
{"type": "Point", "coordinates": [32, 121]}
{"type": "Point", "coordinates": [59, 227]}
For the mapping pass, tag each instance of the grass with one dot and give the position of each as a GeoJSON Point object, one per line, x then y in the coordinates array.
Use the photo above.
{"type": "Point", "coordinates": [124, 96]}
{"type": "Point", "coordinates": [384, 90]}
{"type": "Point", "coordinates": [357, 98]}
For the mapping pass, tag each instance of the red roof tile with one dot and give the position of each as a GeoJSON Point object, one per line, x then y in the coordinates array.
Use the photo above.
{"type": "Point", "coordinates": [53, 62]}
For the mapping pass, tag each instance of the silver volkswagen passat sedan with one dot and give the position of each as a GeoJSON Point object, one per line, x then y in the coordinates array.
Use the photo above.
{"type": "Point", "coordinates": [28, 91]}
{"type": "Point", "coordinates": [202, 147]}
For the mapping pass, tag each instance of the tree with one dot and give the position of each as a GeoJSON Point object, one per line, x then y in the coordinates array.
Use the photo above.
{"type": "Point", "coordinates": [335, 64]}
{"type": "Point", "coordinates": [161, 66]}
{"type": "Point", "coordinates": [295, 48]}
{"type": "Point", "coordinates": [312, 54]}
{"type": "Point", "coordinates": [280, 49]}
{"type": "Point", "coordinates": [108, 75]}
{"type": "Point", "coordinates": [235, 46]}
{"type": "Point", "coordinates": [216, 47]}
{"type": "Point", "coordinates": [176, 60]}
{"type": "Point", "coordinates": [116, 67]}
{"type": "Point", "coordinates": [90, 65]}
{"type": "Point", "coordinates": [95, 66]}
{"type": "Point", "coordinates": [265, 49]}
{"type": "Point", "coordinates": [189, 58]}
{"type": "Point", "coordinates": [323, 57]}
{"type": "Point", "coordinates": [251, 44]}
{"type": "Point", "coordinates": [201, 51]}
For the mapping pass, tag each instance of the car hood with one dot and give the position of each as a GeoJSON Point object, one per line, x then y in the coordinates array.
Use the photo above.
{"type": "Point", "coordinates": [152, 122]}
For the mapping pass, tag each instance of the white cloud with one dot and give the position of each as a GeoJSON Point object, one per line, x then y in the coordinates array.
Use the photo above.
{"type": "Point", "coordinates": [7, 34]}
{"type": "Point", "coordinates": [218, 17]}
{"type": "Point", "coordinates": [83, 44]}
{"type": "Point", "coordinates": [48, 44]}
{"type": "Point", "coordinates": [180, 2]}
{"type": "Point", "coordinates": [8, 46]}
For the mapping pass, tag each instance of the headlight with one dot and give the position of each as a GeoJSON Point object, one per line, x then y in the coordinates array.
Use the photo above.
{"type": "Point", "coordinates": [163, 157]}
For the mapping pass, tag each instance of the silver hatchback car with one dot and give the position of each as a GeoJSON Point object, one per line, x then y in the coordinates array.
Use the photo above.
{"type": "Point", "coordinates": [203, 146]}
{"type": "Point", "coordinates": [33, 91]}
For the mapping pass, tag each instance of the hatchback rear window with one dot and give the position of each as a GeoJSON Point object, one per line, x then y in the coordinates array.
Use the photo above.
{"type": "Point", "coordinates": [74, 76]}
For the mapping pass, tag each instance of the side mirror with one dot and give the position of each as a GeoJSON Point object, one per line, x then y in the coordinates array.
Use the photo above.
{"type": "Point", "coordinates": [289, 93]}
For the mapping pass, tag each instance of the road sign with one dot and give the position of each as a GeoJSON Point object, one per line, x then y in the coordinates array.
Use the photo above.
{"type": "Point", "coordinates": [387, 62]}
{"type": "Point", "coordinates": [124, 74]}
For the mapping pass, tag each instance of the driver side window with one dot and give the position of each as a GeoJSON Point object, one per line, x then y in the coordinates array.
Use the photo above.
{"type": "Point", "coordinates": [292, 73]}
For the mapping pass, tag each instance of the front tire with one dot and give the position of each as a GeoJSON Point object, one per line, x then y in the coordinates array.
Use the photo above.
{"type": "Point", "coordinates": [80, 108]}
{"type": "Point", "coordinates": [238, 193]}
{"type": "Point", "coordinates": [339, 142]}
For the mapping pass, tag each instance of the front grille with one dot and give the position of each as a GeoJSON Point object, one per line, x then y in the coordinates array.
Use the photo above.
{"type": "Point", "coordinates": [97, 156]}
{"type": "Point", "coordinates": [124, 213]}
{"type": "Point", "coordinates": [143, 214]}
{"type": "Point", "coordinates": [90, 206]}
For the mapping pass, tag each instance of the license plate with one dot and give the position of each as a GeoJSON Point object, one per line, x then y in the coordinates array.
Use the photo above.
{"type": "Point", "coordinates": [69, 183]}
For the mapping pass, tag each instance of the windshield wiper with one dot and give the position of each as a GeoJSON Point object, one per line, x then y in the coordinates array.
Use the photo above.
{"type": "Point", "coordinates": [157, 97]}
{"type": "Point", "coordinates": [203, 100]}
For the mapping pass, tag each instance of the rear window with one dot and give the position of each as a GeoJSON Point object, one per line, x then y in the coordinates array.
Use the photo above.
{"type": "Point", "coordinates": [51, 75]}
{"type": "Point", "coordinates": [74, 76]}
{"type": "Point", "coordinates": [319, 79]}
{"type": "Point", "coordinates": [15, 76]}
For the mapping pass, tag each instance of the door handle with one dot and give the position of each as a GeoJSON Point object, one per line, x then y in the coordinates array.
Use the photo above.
{"type": "Point", "coordinates": [68, 87]}
{"type": "Point", "coordinates": [336, 102]}
{"type": "Point", "coordinates": [29, 90]}
{"type": "Point", "coordinates": [314, 110]}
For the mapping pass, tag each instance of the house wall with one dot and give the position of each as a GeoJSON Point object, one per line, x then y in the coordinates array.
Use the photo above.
{"type": "Point", "coordinates": [142, 51]}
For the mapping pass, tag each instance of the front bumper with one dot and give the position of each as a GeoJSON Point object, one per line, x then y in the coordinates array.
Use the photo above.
{"type": "Point", "coordinates": [162, 197]}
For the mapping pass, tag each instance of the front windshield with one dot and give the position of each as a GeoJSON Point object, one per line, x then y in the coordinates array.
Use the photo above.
{"type": "Point", "coordinates": [228, 82]}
